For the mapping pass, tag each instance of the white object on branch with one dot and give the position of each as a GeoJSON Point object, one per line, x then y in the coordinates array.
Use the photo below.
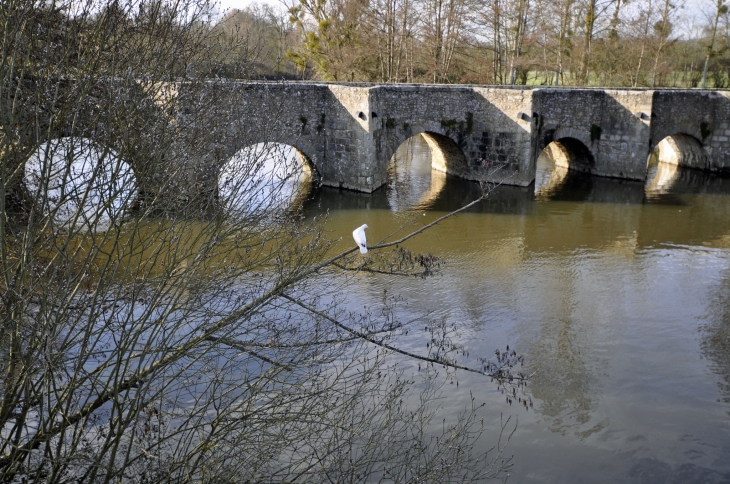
{"type": "Point", "coordinates": [359, 235]}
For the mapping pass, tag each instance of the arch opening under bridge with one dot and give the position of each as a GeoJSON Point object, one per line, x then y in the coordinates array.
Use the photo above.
{"type": "Point", "coordinates": [569, 153]}
{"type": "Point", "coordinates": [669, 157]}
{"type": "Point", "coordinates": [556, 161]}
{"type": "Point", "coordinates": [78, 183]}
{"type": "Point", "coordinates": [413, 180]}
{"type": "Point", "coordinates": [445, 154]}
{"type": "Point", "coordinates": [264, 177]}
{"type": "Point", "coordinates": [680, 149]}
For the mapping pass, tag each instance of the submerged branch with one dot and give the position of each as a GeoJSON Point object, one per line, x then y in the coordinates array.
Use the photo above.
{"type": "Point", "coordinates": [499, 374]}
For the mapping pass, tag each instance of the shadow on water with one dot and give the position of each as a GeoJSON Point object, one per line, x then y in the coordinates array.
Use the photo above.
{"type": "Point", "coordinates": [454, 194]}
{"type": "Point", "coordinates": [666, 181]}
{"type": "Point", "coordinates": [414, 186]}
{"type": "Point", "coordinates": [574, 186]}
{"type": "Point", "coordinates": [715, 343]}
{"type": "Point", "coordinates": [676, 206]}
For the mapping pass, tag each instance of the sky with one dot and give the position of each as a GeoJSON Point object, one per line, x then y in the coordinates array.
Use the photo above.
{"type": "Point", "coordinates": [241, 4]}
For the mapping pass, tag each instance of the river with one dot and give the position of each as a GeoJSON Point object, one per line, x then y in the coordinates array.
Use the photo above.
{"type": "Point", "coordinates": [617, 293]}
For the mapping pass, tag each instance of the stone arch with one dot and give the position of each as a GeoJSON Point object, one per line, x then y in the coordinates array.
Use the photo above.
{"type": "Point", "coordinates": [569, 152]}
{"type": "Point", "coordinates": [269, 169]}
{"type": "Point", "coordinates": [680, 149]}
{"type": "Point", "coordinates": [78, 178]}
{"type": "Point", "coordinates": [420, 184]}
{"type": "Point", "coordinates": [446, 155]}
{"type": "Point", "coordinates": [304, 151]}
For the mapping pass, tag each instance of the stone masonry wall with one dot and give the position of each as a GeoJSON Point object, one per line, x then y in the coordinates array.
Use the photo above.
{"type": "Point", "coordinates": [704, 115]}
{"type": "Point", "coordinates": [612, 124]}
{"type": "Point", "coordinates": [350, 132]}
{"type": "Point", "coordinates": [491, 127]}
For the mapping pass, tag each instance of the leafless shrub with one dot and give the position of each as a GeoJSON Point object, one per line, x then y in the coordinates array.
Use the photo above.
{"type": "Point", "coordinates": [172, 329]}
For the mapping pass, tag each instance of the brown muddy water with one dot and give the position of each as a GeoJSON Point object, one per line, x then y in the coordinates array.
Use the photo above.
{"type": "Point", "coordinates": [616, 292]}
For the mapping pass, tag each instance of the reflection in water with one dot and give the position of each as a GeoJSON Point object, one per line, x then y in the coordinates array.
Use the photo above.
{"type": "Point", "coordinates": [409, 174]}
{"type": "Point", "coordinates": [551, 181]}
{"type": "Point", "coordinates": [565, 345]}
{"type": "Point", "coordinates": [557, 183]}
{"type": "Point", "coordinates": [412, 182]}
{"type": "Point", "coordinates": [716, 340]}
{"type": "Point", "coordinates": [694, 202]}
{"type": "Point", "coordinates": [613, 289]}
{"type": "Point", "coordinates": [661, 177]}
{"type": "Point", "coordinates": [668, 179]}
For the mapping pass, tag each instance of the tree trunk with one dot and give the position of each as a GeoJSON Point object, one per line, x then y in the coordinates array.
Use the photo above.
{"type": "Point", "coordinates": [564, 27]}
{"type": "Point", "coordinates": [519, 21]}
{"type": "Point", "coordinates": [721, 8]}
{"type": "Point", "coordinates": [590, 21]}
{"type": "Point", "coordinates": [663, 35]}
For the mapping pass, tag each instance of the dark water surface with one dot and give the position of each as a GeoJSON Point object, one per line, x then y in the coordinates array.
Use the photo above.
{"type": "Point", "coordinates": [617, 293]}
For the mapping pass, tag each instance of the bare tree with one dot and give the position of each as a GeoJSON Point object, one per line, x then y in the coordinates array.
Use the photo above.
{"type": "Point", "coordinates": [392, 25]}
{"type": "Point", "coordinates": [332, 37]}
{"type": "Point", "coordinates": [157, 329]}
{"type": "Point", "coordinates": [663, 30]}
{"type": "Point", "coordinates": [720, 9]}
{"type": "Point", "coordinates": [564, 37]}
{"type": "Point", "coordinates": [642, 28]}
{"type": "Point", "coordinates": [507, 24]}
{"type": "Point", "coordinates": [518, 29]}
{"type": "Point", "coordinates": [255, 42]}
{"type": "Point", "coordinates": [443, 23]}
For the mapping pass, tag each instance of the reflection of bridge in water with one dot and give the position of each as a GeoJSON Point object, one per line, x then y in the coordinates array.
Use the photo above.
{"type": "Point", "coordinates": [620, 204]}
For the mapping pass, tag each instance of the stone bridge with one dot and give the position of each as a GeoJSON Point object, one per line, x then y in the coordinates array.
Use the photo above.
{"type": "Point", "coordinates": [347, 133]}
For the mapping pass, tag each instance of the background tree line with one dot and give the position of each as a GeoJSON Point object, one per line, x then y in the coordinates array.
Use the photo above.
{"type": "Point", "coordinates": [626, 43]}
